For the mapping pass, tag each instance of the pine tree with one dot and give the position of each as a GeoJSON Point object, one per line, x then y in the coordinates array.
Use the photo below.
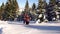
{"type": "Point", "coordinates": [15, 7]}
{"type": "Point", "coordinates": [10, 10]}
{"type": "Point", "coordinates": [41, 9]}
{"type": "Point", "coordinates": [51, 11]}
{"type": "Point", "coordinates": [58, 9]}
{"type": "Point", "coordinates": [34, 6]}
{"type": "Point", "coordinates": [41, 6]}
{"type": "Point", "coordinates": [40, 2]}
{"type": "Point", "coordinates": [27, 6]}
{"type": "Point", "coordinates": [33, 11]}
{"type": "Point", "coordinates": [1, 10]}
{"type": "Point", "coordinates": [7, 10]}
{"type": "Point", "coordinates": [44, 4]}
{"type": "Point", "coordinates": [52, 2]}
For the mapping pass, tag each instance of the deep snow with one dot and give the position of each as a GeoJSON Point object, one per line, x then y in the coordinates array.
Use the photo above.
{"type": "Point", "coordinates": [10, 27]}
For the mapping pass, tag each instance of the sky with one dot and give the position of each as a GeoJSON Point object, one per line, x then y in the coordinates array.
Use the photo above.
{"type": "Point", "coordinates": [22, 3]}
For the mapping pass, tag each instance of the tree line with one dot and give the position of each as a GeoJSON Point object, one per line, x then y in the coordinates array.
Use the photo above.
{"type": "Point", "coordinates": [9, 10]}
{"type": "Point", "coordinates": [50, 11]}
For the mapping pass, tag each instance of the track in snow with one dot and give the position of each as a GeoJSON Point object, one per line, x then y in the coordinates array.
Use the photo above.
{"type": "Point", "coordinates": [19, 28]}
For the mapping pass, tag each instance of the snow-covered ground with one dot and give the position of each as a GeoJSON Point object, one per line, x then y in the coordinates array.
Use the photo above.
{"type": "Point", "coordinates": [8, 27]}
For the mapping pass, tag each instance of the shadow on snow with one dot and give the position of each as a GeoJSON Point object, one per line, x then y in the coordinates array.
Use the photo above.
{"type": "Point", "coordinates": [1, 30]}
{"type": "Point", "coordinates": [54, 28]}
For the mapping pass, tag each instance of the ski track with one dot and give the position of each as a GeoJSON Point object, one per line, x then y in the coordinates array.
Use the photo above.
{"type": "Point", "coordinates": [19, 28]}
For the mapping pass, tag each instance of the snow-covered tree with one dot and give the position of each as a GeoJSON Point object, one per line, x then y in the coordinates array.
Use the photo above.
{"type": "Point", "coordinates": [41, 9]}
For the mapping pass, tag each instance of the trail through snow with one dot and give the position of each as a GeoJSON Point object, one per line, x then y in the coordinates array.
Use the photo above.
{"type": "Point", "coordinates": [7, 27]}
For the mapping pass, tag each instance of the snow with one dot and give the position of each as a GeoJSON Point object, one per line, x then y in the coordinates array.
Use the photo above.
{"type": "Point", "coordinates": [10, 27]}
{"type": "Point", "coordinates": [40, 15]}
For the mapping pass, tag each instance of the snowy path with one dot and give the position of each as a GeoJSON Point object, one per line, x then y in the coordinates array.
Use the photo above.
{"type": "Point", "coordinates": [29, 29]}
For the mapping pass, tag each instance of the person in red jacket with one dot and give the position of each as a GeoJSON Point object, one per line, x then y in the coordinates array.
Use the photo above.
{"type": "Point", "coordinates": [27, 19]}
{"type": "Point", "coordinates": [24, 18]}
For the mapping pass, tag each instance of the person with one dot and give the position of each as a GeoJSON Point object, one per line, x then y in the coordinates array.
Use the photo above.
{"type": "Point", "coordinates": [26, 19]}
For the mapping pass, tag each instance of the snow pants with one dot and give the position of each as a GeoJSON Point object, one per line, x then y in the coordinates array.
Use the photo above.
{"type": "Point", "coordinates": [27, 22]}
